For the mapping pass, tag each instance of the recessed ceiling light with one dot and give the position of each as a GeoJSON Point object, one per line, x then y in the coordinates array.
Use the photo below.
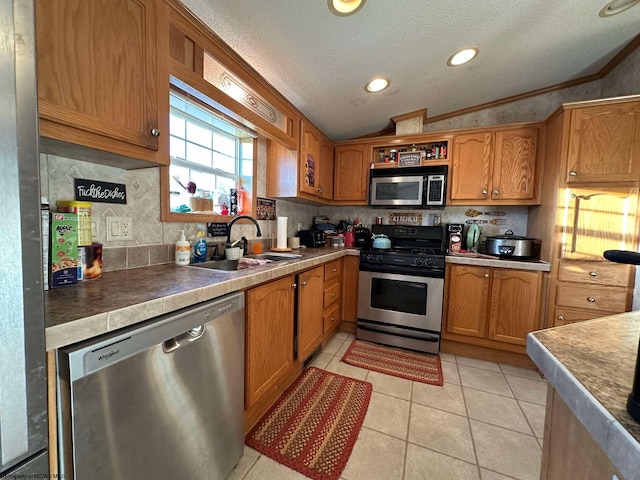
{"type": "Point", "coordinates": [377, 85]}
{"type": "Point", "coordinates": [616, 6]}
{"type": "Point", "coordinates": [342, 8]}
{"type": "Point", "coordinates": [463, 56]}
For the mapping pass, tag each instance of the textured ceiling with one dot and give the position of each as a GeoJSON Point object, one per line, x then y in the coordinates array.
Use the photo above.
{"type": "Point", "coordinates": [322, 62]}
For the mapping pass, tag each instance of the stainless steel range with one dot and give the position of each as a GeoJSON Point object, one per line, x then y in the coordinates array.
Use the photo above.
{"type": "Point", "coordinates": [401, 289]}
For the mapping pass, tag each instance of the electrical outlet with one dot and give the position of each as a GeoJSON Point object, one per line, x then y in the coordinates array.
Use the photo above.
{"type": "Point", "coordinates": [119, 229]}
{"type": "Point", "coordinates": [300, 226]}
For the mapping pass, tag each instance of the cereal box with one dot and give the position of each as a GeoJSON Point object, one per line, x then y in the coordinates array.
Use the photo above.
{"type": "Point", "coordinates": [64, 249]}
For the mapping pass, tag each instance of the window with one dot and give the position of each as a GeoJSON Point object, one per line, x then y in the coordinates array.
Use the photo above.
{"type": "Point", "coordinates": [211, 160]}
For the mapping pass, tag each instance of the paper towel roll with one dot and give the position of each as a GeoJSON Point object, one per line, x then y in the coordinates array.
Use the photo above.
{"type": "Point", "coordinates": [282, 232]}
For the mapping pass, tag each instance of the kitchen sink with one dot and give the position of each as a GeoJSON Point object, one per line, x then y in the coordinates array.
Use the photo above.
{"type": "Point", "coordinates": [235, 265]}
{"type": "Point", "coordinates": [274, 256]}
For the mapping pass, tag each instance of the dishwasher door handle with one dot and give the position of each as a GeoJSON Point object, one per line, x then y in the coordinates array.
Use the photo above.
{"type": "Point", "coordinates": [174, 343]}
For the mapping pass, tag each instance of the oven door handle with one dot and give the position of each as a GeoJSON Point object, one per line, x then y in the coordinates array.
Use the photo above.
{"type": "Point", "coordinates": [404, 335]}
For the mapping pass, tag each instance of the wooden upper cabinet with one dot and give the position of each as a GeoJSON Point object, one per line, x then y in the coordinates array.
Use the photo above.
{"type": "Point", "coordinates": [598, 219]}
{"type": "Point", "coordinates": [326, 168]}
{"type": "Point", "coordinates": [604, 144]}
{"type": "Point", "coordinates": [351, 173]}
{"type": "Point", "coordinates": [471, 166]}
{"type": "Point", "coordinates": [469, 290]}
{"type": "Point", "coordinates": [310, 166]}
{"type": "Point", "coordinates": [514, 164]}
{"type": "Point", "coordinates": [497, 166]}
{"type": "Point", "coordinates": [97, 67]}
{"type": "Point", "coordinates": [516, 302]}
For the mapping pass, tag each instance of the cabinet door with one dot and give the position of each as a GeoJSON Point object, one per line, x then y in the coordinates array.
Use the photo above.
{"type": "Point", "coordinates": [598, 219]}
{"type": "Point", "coordinates": [269, 340]}
{"type": "Point", "coordinates": [310, 167]}
{"type": "Point", "coordinates": [350, 276]}
{"type": "Point", "coordinates": [515, 305]}
{"type": "Point", "coordinates": [604, 144]}
{"type": "Point", "coordinates": [310, 308]}
{"type": "Point", "coordinates": [96, 65]}
{"type": "Point", "coordinates": [514, 164]}
{"type": "Point", "coordinates": [351, 173]}
{"type": "Point", "coordinates": [468, 303]}
{"type": "Point", "coordinates": [326, 168]}
{"type": "Point", "coordinates": [471, 166]}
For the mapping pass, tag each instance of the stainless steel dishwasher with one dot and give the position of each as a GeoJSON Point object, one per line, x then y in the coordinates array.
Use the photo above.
{"type": "Point", "coordinates": [161, 401]}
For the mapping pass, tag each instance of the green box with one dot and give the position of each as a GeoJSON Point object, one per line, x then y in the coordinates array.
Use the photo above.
{"type": "Point", "coordinates": [64, 249]}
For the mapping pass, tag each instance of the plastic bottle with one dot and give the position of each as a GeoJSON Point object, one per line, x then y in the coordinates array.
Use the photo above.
{"type": "Point", "coordinates": [200, 245]}
{"type": "Point", "coordinates": [183, 250]}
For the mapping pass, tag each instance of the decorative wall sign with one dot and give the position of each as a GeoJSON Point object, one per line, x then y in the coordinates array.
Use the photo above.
{"type": "Point", "coordinates": [266, 209]}
{"type": "Point", "coordinates": [100, 192]}
{"type": "Point", "coordinates": [217, 229]}
{"type": "Point", "coordinates": [405, 219]}
{"type": "Point", "coordinates": [409, 159]}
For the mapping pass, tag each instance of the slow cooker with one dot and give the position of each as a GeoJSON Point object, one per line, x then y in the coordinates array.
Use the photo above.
{"type": "Point", "coordinates": [511, 246]}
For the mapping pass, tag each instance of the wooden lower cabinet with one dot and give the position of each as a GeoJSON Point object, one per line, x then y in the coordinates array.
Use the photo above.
{"type": "Point", "coordinates": [350, 276]}
{"type": "Point", "coordinates": [310, 310]}
{"type": "Point", "coordinates": [492, 307]}
{"type": "Point", "coordinates": [269, 337]}
{"type": "Point", "coordinates": [331, 298]}
{"type": "Point", "coordinates": [569, 450]}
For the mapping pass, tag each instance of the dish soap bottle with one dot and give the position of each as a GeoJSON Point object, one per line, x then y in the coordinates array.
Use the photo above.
{"type": "Point", "coordinates": [183, 250]}
{"type": "Point", "coordinates": [200, 245]}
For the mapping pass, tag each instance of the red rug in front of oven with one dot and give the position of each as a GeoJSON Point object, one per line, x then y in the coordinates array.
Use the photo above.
{"type": "Point", "coordinates": [420, 367]}
{"type": "Point", "coordinates": [314, 425]}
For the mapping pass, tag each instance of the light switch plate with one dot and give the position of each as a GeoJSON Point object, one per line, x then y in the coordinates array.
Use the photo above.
{"type": "Point", "coordinates": [119, 229]}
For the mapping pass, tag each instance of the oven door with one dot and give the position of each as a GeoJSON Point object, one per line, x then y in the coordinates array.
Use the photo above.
{"type": "Point", "coordinates": [401, 300]}
{"type": "Point", "coordinates": [397, 191]}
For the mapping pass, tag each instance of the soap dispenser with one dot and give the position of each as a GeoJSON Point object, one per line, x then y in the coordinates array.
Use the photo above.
{"type": "Point", "coordinates": [183, 250]}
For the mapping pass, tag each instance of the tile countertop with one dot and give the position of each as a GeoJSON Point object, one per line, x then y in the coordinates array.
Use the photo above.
{"type": "Point", "coordinates": [489, 261]}
{"type": "Point", "coordinates": [125, 297]}
{"type": "Point", "coordinates": [591, 366]}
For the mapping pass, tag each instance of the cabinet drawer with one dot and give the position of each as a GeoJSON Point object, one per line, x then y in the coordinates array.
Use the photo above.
{"type": "Point", "coordinates": [331, 318]}
{"type": "Point", "coordinates": [332, 269]}
{"type": "Point", "coordinates": [591, 297]}
{"type": "Point", "coordinates": [331, 293]}
{"type": "Point", "coordinates": [600, 273]}
{"type": "Point", "coordinates": [565, 316]}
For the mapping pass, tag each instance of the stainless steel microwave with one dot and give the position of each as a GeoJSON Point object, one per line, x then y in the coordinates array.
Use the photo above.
{"type": "Point", "coordinates": [419, 187]}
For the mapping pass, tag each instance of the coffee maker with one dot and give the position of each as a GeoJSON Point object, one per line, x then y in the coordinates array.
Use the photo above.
{"type": "Point", "coordinates": [454, 237]}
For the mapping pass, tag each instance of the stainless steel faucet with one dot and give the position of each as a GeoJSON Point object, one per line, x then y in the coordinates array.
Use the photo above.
{"type": "Point", "coordinates": [259, 234]}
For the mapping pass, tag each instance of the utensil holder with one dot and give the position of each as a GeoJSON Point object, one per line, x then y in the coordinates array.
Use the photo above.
{"type": "Point", "coordinates": [233, 253]}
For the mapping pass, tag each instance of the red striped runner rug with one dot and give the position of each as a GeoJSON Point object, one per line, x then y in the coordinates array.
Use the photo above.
{"type": "Point", "coordinates": [314, 425]}
{"type": "Point", "coordinates": [420, 367]}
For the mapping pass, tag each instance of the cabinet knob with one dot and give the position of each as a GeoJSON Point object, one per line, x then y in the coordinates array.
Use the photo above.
{"type": "Point", "coordinates": [591, 299]}
{"type": "Point", "coordinates": [486, 275]}
{"type": "Point", "coordinates": [484, 191]}
{"type": "Point", "coordinates": [333, 295]}
{"type": "Point", "coordinates": [294, 285]}
{"type": "Point", "coordinates": [333, 319]}
{"type": "Point", "coordinates": [573, 173]}
{"type": "Point", "coordinates": [496, 192]}
{"type": "Point", "coordinates": [593, 274]}
{"type": "Point", "coordinates": [320, 190]}
{"type": "Point", "coordinates": [334, 270]}
{"type": "Point", "coordinates": [561, 318]}
{"type": "Point", "coordinates": [303, 283]}
{"type": "Point", "coordinates": [155, 132]}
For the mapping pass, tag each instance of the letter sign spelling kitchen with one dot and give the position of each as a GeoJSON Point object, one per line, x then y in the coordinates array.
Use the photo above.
{"type": "Point", "coordinates": [104, 192]}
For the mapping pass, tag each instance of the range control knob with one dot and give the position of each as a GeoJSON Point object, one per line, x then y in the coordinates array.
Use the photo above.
{"type": "Point", "coordinates": [430, 262]}
{"type": "Point", "coordinates": [413, 231]}
{"type": "Point", "coordinates": [379, 259]}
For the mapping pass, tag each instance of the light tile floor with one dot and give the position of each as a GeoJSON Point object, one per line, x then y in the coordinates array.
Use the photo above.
{"type": "Point", "coordinates": [485, 423]}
